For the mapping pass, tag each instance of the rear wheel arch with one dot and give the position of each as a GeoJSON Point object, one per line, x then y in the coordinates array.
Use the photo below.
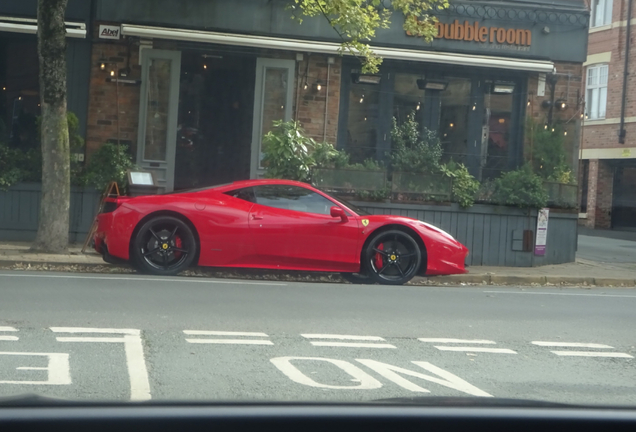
{"type": "Point", "coordinates": [406, 229]}
{"type": "Point", "coordinates": [174, 214]}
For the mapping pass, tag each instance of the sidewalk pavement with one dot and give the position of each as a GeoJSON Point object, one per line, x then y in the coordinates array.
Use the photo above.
{"type": "Point", "coordinates": [16, 255]}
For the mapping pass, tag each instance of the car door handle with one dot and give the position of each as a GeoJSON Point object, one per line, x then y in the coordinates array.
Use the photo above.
{"type": "Point", "coordinates": [257, 217]}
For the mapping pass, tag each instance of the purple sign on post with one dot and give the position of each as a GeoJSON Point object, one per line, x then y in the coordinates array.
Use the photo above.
{"type": "Point", "coordinates": [542, 232]}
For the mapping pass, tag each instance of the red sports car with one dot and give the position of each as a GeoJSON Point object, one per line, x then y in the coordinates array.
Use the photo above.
{"type": "Point", "coordinates": [271, 224]}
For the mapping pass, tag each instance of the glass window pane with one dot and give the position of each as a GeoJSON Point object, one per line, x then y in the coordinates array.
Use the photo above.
{"type": "Point", "coordinates": [362, 126]}
{"type": "Point", "coordinates": [602, 102]}
{"type": "Point", "coordinates": [275, 82]}
{"type": "Point", "coordinates": [608, 12]}
{"type": "Point", "coordinates": [453, 129]}
{"type": "Point", "coordinates": [592, 76]}
{"type": "Point", "coordinates": [495, 150]}
{"type": "Point", "coordinates": [157, 109]}
{"type": "Point", "coordinates": [597, 13]}
{"type": "Point", "coordinates": [293, 198]}
{"type": "Point", "coordinates": [602, 79]}
{"type": "Point", "coordinates": [408, 97]}
{"type": "Point", "coordinates": [592, 103]}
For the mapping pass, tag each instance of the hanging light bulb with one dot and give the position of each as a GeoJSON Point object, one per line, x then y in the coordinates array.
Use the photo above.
{"type": "Point", "coordinates": [205, 66]}
{"type": "Point", "coordinates": [451, 125]}
{"type": "Point", "coordinates": [528, 102]}
{"type": "Point", "coordinates": [112, 73]}
{"type": "Point", "coordinates": [4, 88]}
{"type": "Point", "coordinates": [552, 129]}
{"type": "Point", "coordinates": [306, 86]}
{"type": "Point", "coordinates": [362, 99]}
{"type": "Point", "coordinates": [419, 105]}
{"type": "Point", "coordinates": [565, 133]}
{"type": "Point", "coordinates": [545, 126]}
{"type": "Point", "coordinates": [474, 106]}
{"type": "Point", "coordinates": [581, 115]}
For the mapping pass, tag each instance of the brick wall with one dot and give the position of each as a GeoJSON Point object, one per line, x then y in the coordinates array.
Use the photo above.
{"type": "Point", "coordinates": [599, 201]}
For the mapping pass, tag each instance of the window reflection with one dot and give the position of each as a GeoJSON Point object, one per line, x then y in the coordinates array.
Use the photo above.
{"type": "Point", "coordinates": [498, 113]}
{"type": "Point", "coordinates": [407, 98]}
{"type": "Point", "coordinates": [362, 127]}
{"type": "Point", "coordinates": [455, 104]}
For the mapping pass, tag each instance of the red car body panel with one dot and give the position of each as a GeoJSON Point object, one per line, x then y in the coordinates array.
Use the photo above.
{"type": "Point", "coordinates": [233, 232]}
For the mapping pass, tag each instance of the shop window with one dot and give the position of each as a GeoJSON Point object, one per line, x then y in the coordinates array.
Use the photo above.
{"type": "Point", "coordinates": [496, 132]}
{"type": "Point", "coordinates": [363, 121]}
{"type": "Point", "coordinates": [19, 91]}
{"type": "Point", "coordinates": [596, 91]}
{"type": "Point", "coordinates": [407, 98]}
{"type": "Point", "coordinates": [455, 105]}
{"type": "Point", "coordinates": [601, 13]}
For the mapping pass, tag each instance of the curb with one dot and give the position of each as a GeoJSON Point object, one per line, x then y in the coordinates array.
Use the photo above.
{"type": "Point", "coordinates": [453, 280]}
{"type": "Point", "coordinates": [492, 279]}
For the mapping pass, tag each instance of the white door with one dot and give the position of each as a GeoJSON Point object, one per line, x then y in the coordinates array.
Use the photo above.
{"type": "Point", "coordinates": [158, 110]}
{"type": "Point", "coordinates": [273, 100]}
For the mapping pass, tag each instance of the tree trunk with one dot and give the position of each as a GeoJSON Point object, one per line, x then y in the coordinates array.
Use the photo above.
{"type": "Point", "coordinates": [53, 226]}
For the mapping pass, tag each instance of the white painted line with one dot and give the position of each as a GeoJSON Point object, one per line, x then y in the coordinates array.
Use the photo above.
{"type": "Point", "coordinates": [477, 349]}
{"type": "Point", "coordinates": [231, 341]}
{"type": "Point", "coordinates": [58, 368]}
{"type": "Point", "coordinates": [591, 354]}
{"type": "Point", "coordinates": [8, 329]}
{"type": "Point", "coordinates": [561, 294]}
{"type": "Point", "coordinates": [9, 338]}
{"type": "Point", "coordinates": [571, 344]}
{"type": "Point", "coordinates": [448, 340]}
{"type": "Point", "coordinates": [184, 279]}
{"type": "Point", "coordinates": [133, 348]}
{"type": "Point", "coordinates": [341, 337]}
{"type": "Point", "coordinates": [224, 333]}
{"type": "Point", "coordinates": [352, 344]}
{"type": "Point", "coordinates": [133, 332]}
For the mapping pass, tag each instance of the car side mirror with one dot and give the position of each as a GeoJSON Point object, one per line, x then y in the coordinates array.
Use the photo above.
{"type": "Point", "coordinates": [338, 212]}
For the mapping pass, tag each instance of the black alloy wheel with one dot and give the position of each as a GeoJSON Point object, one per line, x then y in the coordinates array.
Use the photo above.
{"type": "Point", "coordinates": [164, 245]}
{"type": "Point", "coordinates": [392, 257]}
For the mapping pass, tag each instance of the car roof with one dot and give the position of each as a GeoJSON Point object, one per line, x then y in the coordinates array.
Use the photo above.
{"type": "Point", "coordinates": [258, 182]}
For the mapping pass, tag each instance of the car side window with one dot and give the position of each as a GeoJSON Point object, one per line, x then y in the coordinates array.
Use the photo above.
{"type": "Point", "coordinates": [246, 194]}
{"type": "Point", "coordinates": [292, 198]}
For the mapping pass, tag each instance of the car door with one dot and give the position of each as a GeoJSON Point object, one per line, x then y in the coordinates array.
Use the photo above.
{"type": "Point", "coordinates": [292, 228]}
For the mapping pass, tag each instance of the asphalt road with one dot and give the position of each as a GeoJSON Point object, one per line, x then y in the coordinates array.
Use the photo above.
{"type": "Point", "coordinates": [608, 250]}
{"type": "Point", "coordinates": [121, 337]}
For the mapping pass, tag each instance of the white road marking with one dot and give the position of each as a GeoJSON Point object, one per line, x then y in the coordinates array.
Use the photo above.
{"type": "Point", "coordinates": [448, 340]}
{"type": "Point", "coordinates": [8, 329]}
{"type": "Point", "coordinates": [341, 337]}
{"type": "Point", "coordinates": [591, 354]}
{"type": "Point", "coordinates": [477, 349]}
{"type": "Point", "coordinates": [561, 294]}
{"type": "Point", "coordinates": [443, 377]}
{"type": "Point", "coordinates": [9, 338]}
{"type": "Point", "coordinates": [364, 380]}
{"type": "Point", "coordinates": [571, 344]}
{"type": "Point", "coordinates": [58, 368]}
{"type": "Point", "coordinates": [352, 344]}
{"type": "Point", "coordinates": [223, 333]}
{"type": "Point", "coordinates": [184, 279]}
{"type": "Point", "coordinates": [133, 348]}
{"type": "Point", "coordinates": [231, 341]}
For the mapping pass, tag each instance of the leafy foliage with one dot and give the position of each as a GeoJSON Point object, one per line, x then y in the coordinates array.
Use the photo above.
{"type": "Point", "coordinates": [356, 21]}
{"type": "Point", "coordinates": [109, 163]}
{"type": "Point", "coordinates": [548, 153]}
{"type": "Point", "coordinates": [464, 185]}
{"type": "Point", "coordinates": [414, 151]}
{"type": "Point", "coordinates": [288, 152]}
{"type": "Point", "coordinates": [522, 188]}
{"type": "Point", "coordinates": [10, 172]}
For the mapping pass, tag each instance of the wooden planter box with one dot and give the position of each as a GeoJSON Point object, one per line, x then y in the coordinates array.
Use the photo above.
{"type": "Point", "coordinates": [348, 180]}
{"type": "Point", "coordinates": [424, 187]}
{"type": "Point", "coordinates": [20, 210]}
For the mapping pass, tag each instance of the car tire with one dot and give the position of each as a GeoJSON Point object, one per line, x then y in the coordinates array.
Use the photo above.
{"type": "Point", "coordinates": [392, 257]}
{"type": "Point", "coordinates": [164, 245]}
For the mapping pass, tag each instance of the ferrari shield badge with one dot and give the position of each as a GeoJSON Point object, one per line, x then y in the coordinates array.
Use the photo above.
{"type": "Point", "coordinates": [365, 222]}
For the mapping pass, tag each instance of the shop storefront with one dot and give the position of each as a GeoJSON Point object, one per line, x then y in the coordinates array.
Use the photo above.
{"type": "Point", "coordinates": [201, 88]}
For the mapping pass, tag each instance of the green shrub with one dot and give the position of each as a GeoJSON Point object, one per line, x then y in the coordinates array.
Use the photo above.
{"type": "Point", "coordinates": [464, 186]}
{"type": "Point", "coordinates": [10, 163]}
{"type": "Point", "coordinates": [288, 152]}
{"type": "Point", "coordinates": [522, 188]}
{"type": "Point", "coordinates": [412, 150]}
{"type": "Point", "coordinates": [110, 163]}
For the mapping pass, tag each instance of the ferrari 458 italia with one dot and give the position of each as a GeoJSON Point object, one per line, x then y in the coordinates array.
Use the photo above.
{"type": "Point", "coordinates": [271, 224]}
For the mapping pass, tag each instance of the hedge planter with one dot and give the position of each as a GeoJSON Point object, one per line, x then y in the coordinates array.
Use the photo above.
{"type": "Point", "coordinates": [561, 195]}
{"type": "Point", "coordinates": [350, 180]}
{"type": "Point", "coordinates": [426, 187]}
{"type": "Point", "coordinates": [20, 209]}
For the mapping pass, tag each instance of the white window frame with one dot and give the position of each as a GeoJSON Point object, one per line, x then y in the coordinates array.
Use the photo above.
{"type": "Point", "coordinates": [596, 91]}
{"type": "Point", "coordinates": [601, 14]}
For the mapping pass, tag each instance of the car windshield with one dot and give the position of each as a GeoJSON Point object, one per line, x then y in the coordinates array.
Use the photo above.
{"type": "Point", "coordinates": [484, 154]}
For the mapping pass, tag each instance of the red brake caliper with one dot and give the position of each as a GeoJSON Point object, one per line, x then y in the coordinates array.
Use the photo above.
{"type": "Point", "coordinates": [378, 257]}
{"type": "Point", "coordinates": [178, 244]}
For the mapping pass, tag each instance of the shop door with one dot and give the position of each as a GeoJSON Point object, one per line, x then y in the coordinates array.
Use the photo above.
{"type": "Point", "coordinates": [273, 100]}
{"type": "Point", "coordinates": [624, 198]}
{"type": "Point", "coordinates": [159, 102]}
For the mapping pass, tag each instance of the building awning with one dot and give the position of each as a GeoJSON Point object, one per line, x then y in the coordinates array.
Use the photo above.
{"type": "Point", "coordinates": [333, 48]}
{"type": "Point", "coordinates": [30, 26]}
